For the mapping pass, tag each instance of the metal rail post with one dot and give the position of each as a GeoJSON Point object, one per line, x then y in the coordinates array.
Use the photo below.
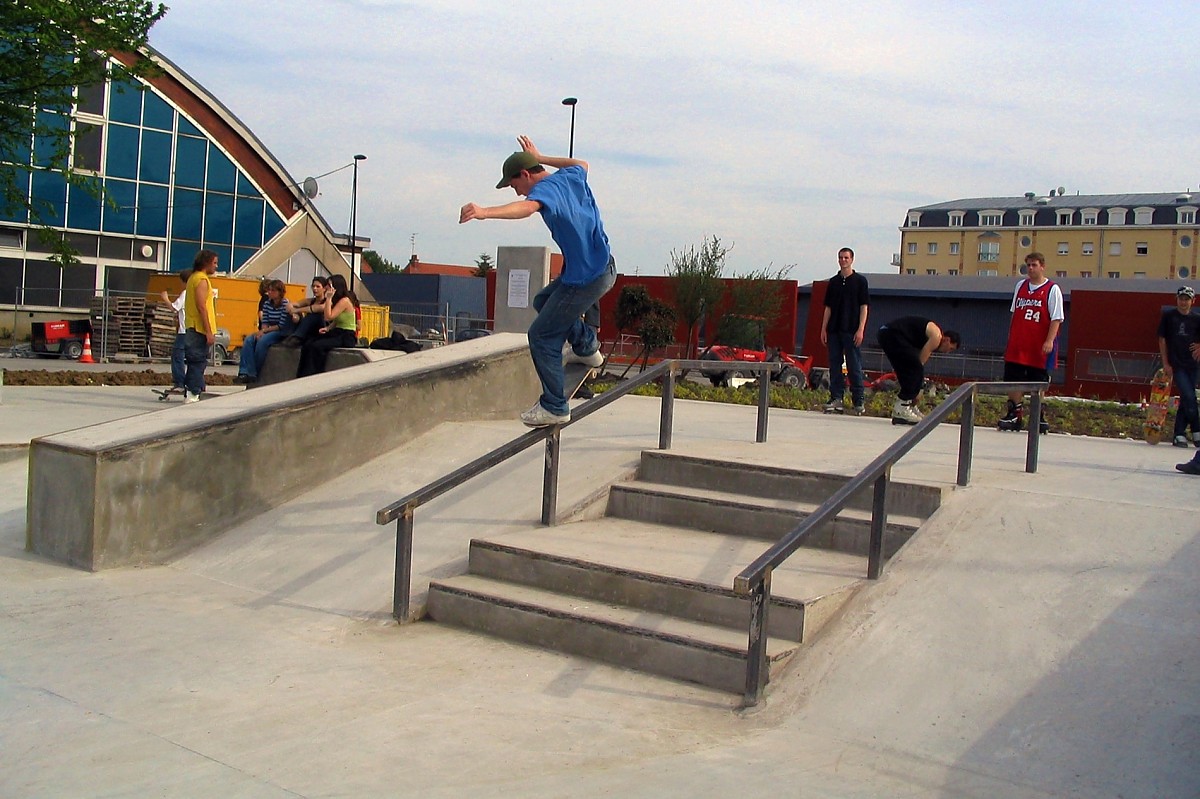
{"type": "Point", "coordinates": [666, 417]}
{"type": "Point", "coordinates": [764, 402]}
{"type": "Point", "coordinates": [756, 650]}
{"type": "Point", "coordinates": [550, 478]}
{"type": "Point", "coordinates": [403, 578]}
{"type": "Point", "coordinates": [1035, 429]}
{"type": "Point", "coordinates": [878, 525]}
{"type": "Point", "coordinates": [966, 439]}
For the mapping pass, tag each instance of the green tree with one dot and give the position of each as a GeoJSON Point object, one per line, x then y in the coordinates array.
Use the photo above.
{"type": "Point", "coordinates": [483, 265]}
{"type": "Point", "coordinates": [380, 264]}
{"type": "Point", "coordinates": [653, 321]}
{"type": "Point", "coordinates": [49, 51]}
{"type": "Point", "coordinates": [755, 304]}
{"type": "Point", "coordinates": [696, 278]}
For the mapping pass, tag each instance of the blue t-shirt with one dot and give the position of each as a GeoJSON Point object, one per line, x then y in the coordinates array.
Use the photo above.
{"type": "Point", "coordinates": [569, 210]}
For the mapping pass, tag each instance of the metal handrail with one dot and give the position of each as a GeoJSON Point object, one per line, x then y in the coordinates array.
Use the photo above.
{"type": "Point", "coordinates": [755, 580]}
{"type": "Point", "coordinates": [401, 511]}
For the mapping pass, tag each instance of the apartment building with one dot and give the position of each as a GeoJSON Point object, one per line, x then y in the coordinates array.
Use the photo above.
{"type": "Point", "coordinates": [1082, 236]}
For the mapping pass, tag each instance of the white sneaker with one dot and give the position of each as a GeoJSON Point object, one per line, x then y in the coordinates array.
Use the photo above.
{"type": "Point", "coordinates": [190, 397]}
{"type": "Point", "coordinates": [537, 416]}
{"type": "Point", "coordinates": [595, 360]}
{"type": "Point", "coordinates": [905, 413]}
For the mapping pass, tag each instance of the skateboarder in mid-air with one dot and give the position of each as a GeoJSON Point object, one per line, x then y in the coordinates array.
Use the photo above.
{"type": "Point", "coordinates": [567, 206]}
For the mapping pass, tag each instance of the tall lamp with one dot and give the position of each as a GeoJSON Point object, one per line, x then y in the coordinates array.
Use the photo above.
{"type": "Point", "coordinates": [571, 101]}
{"type": "Point", "coordinates": [354, 218]}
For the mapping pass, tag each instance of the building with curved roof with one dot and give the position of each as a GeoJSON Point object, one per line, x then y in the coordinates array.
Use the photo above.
{"type": "Point", "coordinates": [180, 173]}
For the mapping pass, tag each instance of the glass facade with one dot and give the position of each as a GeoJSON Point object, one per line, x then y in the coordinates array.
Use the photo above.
{"type": "Point", "coordinates": [167, 184]}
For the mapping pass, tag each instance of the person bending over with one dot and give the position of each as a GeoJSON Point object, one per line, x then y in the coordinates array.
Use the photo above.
{"type": "Point", "coordinates": [908, 342]}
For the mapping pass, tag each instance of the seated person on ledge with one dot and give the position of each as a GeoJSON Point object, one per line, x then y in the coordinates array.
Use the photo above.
{"type": "Point", "coordinates": [339, 330]}
{"type": "Point", "coordinates": [275, 322]}
{"type": "Point", "coordinates": [308, 315]}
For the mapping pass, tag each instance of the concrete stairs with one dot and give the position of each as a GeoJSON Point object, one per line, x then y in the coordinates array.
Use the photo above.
{"type": "Point", "coordinates": [648, 586]}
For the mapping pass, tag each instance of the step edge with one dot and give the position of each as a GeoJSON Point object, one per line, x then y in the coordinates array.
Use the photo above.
{"type": "Point", "coordinates": [784, 647]}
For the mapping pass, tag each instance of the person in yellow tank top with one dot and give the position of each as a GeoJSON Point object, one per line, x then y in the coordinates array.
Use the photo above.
{"type": "Point", "coordinates": [200, 321]}
{"type": "Point", "coordinates": [338, 330]}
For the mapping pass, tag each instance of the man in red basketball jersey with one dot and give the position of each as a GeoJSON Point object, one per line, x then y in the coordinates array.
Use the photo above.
{"type": "Point", "coordinates": [1037, 314]}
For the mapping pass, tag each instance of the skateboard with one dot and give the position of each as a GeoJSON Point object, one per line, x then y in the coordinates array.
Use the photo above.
{"type": "Point", "coordinates": [574, 376]}
{"type": "Point", "coordinates": [165, 394]}
{"type": "Point", "coordinates": [1157, 407]}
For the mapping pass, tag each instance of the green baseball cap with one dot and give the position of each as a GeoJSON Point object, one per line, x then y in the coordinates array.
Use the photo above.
{"type": "Point", "coordinates": [513, 166]}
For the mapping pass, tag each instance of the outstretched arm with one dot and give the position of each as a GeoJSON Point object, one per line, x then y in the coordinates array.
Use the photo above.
{"type": "Point", "coordinates": [520, 209]}
{"type": "Point", "coordinates": [556, 162]}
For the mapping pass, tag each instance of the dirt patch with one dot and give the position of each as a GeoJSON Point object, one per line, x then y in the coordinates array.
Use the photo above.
{"type": "Point", "coordinates": [145, 377]}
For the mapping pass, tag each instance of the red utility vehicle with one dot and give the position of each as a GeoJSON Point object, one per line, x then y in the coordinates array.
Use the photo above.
{"type": "Point", "coordinates": [792, 370]}
{"type": "Point", "coordinates": [63, 339]}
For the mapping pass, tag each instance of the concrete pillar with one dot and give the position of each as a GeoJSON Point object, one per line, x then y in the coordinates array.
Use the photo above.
{"type": "Point", "coordinates": [521, 272]}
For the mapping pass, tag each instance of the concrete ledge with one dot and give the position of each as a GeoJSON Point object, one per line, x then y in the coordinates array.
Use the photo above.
{"type": "Point", "coordinates": [144, 489]}
{"type": "Point", "coordinates": [283, 362]}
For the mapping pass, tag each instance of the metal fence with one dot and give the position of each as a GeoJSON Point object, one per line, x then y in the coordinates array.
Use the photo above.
{"type": "Point", "coordinates": [1116, 366]}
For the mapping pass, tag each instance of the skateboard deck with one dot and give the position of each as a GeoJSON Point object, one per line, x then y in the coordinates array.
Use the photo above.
{"type": "Point", "coordinates": [1157, 407]}
{"type": "Point", "coordinates": [165, 394]}
{"type": "Point", "coordinates": [574, 376]}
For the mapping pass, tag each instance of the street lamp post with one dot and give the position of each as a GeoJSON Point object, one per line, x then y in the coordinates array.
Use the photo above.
{"type": "Point", "coordinates": [571, 101]}
{"type": "Point", "coordinates": [354, 218]}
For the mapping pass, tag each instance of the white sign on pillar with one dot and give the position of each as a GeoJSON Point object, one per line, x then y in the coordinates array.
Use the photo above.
{"type": "Point", "coordinates": [521, 272]}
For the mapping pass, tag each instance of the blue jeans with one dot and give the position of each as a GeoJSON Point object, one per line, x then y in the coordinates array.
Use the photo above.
{"type": "Point", "coordinates": [195, 356]}
{"type": "Point", "coordinates": [177, 363]}
{"type": "Point", "coordinates": [560, 309]}
{"type": "Point", "coordinates": [1188, 414]}
{"type": "Point", "coordinates": [254, 351]}
{"type": "Point", "coordinates": [841, 347]}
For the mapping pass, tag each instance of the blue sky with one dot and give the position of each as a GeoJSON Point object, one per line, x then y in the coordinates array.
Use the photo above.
{"type": "Point", "coordinates": [787, 129]}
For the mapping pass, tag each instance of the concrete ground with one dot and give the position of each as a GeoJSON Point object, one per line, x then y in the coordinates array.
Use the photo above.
{"type": "Point", "coordinates": [1038, 638]}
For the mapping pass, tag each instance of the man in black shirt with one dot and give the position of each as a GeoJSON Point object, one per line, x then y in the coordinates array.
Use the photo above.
{"type": "Point", "coordinates": [908, 342]}
{"type": "Point", "coordinates": [1178, 330]}
{"type": "Point", "coordinates": [842, 328]}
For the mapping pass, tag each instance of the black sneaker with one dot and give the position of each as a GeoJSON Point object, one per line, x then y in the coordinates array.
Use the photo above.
{"type": "Point", "coordinates": [1188, 468]}
{"type": "Point", "coordinates": [1010, 423]}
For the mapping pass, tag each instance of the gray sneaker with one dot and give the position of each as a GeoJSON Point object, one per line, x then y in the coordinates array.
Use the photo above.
{"type": "Point", "coordinates": [537, 416]}
{"type": "Point", "coordinates": [835, 407]}
{"type": "Point", "coordinates": [595, 360]}
{"type": "Point", "coordinates": [905, 413]}
{"type": "Point", "coordinates": [859, 410]}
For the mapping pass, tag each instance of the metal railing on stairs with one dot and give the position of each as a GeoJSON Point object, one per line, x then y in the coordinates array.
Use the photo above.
{"type": "Point", "coordinates": [401, 511]}
{"type": "Point", "coordinates": [755, 580]}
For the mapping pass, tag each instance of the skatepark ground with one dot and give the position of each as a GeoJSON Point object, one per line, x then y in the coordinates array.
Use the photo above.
{"type": "Point", "coordinates": [1039, 637]}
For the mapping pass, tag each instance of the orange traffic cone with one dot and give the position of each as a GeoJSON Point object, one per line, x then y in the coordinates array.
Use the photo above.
{"type": "Point", "coordinates": [87, 349]}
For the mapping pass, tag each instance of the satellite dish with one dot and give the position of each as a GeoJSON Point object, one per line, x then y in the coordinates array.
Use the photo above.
{"type": "Point", "coordinates": [1061, 191]}
{"type": "Point", "coordinates": [310, 188]}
